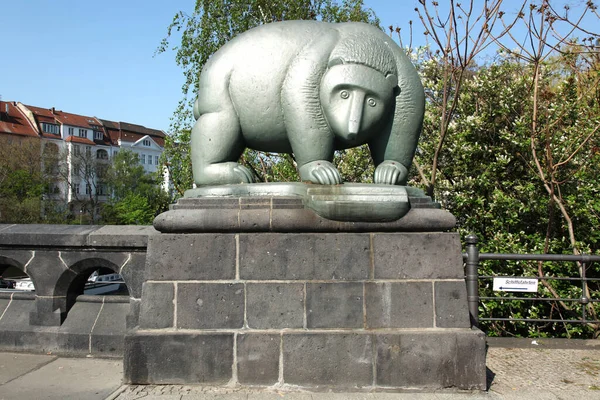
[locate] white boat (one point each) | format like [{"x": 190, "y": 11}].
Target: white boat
[
  {"x": 96, "y": 284},
  {"x": 103, "y": 284}
]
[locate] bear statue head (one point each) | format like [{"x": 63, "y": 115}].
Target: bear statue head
[{"x": 355, "y": 100}]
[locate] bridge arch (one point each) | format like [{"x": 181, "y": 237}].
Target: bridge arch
[{"x": 71, "y": 283}]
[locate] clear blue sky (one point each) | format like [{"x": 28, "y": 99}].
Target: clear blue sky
[{"x": 97, "y": 58}]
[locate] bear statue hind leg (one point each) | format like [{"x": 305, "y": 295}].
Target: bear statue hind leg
[
  {"x": 224, "y": 173},
  {"x": 216, "y": 146}
]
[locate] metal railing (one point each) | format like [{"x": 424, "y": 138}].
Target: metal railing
[{"x": 472, "y": 257}]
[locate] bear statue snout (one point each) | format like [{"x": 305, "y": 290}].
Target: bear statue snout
[{"x": 356, "y": 113}]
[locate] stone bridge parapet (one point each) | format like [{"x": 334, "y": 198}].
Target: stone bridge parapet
[{"x": 57, "y": 317}]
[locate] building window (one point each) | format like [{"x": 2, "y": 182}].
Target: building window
[
  {"x": 88, "y": 150},
  {"x": 146, "y": 142},
  {"x": 101, "y": 190},
  {"x": 98, "y": 135},
  {"x": 88, "y": 189},
  {"x": 50, "y": 128},
  {"x": 155, "y": 160},
  {"x": 143, "y": 159},
  {"x": 71, "y": 131},
  {"x": 102, "y": 154},
  {"x": 82, "y": 133},
  {"x": 76, "y": 188},
  {"x": 76, "y": 150}
]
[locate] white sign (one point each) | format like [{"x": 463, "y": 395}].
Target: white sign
[{"x": 515, "y": 285}]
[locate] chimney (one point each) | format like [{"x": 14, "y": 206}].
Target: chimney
[{"x": 53, "y": 110}]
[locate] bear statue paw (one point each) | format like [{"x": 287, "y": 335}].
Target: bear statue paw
[
  {"x": 390, "y": 173},
  {"x": 224, "y": 173},
  {"x": 320, "y": 171}
]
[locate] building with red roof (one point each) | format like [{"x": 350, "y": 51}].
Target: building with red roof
[
  {"x": 84, "y": 146},
  {"x": 147, "y": 143},
  {"x": 13, "y": 121}
]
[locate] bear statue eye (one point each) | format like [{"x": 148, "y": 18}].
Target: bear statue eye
[
  {"x": 344, "y": 94},
  {"x": 372, "y": 102}
]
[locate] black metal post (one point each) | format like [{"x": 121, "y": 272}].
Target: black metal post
[
  {"x": 472, "y": 266},
  {"x": 584, "y": 300}
]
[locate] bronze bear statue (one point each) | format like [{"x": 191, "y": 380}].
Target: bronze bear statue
[{"x": 307, "y": 88}]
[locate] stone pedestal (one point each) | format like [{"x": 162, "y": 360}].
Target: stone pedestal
[{"x": 313, "y": 310}]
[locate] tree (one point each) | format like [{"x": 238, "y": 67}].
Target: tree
[
  {"x": 136, "y": 195},
  {"x": 518, "y": 163},
  {"x": 22, "y": 182},
  {"x": 211, "y": 25},
  {"x": 84, "y": 173}
]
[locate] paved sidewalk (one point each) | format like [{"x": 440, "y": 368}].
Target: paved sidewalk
[
  {"x": 37, "y": 376},
  {"x": 519, "y": 370}
]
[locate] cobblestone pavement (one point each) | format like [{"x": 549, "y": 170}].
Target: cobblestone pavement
[{"x": 513, "y": 373}]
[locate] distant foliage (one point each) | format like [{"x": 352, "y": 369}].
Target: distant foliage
[
  {"x": 136, "y": 196},
  {"x": 511, "y": 147},
  {"x": 22, "y": 182}
]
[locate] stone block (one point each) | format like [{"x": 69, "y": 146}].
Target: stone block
[
  {"x": 171, "y": 358},
  {"x": 45, "y": 270},
  {"x": 334, "y": 305},
  {"x": 328, "y": 360},
  {"x": 39, "y": 235},
  {"x": 88, "y": 261},
  {"x": 191, "y": 257},
  {"x": 109, "y": 329},
  {"x": 292, "y": 256},
  {"x": 121, "y": 236},
  {"x": 157, "y": 307},
  {"x": 81, "y": 318},
  {"x": 72, "y": 343},
  {"x": 210, "y": 305},
  {"x": 258, "y": 359},
  {"x": 4, "y": 302},
  {"x": 432, "y": 360},
  {"x": 133, "y": 317},
  {"x": 29, "y": 341},
  {"x": 49, "y": 311},
  {"x": 275, "y": 305},
  {"x": 417, "y": 256},
  {"x": 399, "y": 304},
  {"x": 253, "y": 219},
  {"x": 133, "y": 273},
  {"x": 15, "y": 258},
  {"x": 16, "y": 316},
  {"x": 451, "y": 307},
  {"x": 107, "y": 345}
]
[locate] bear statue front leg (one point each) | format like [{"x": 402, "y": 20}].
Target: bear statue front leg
[
  {"x": 216, "y": 146},
  {"x": 320, "y": 171},
  {"x": 390, "y": 173}
]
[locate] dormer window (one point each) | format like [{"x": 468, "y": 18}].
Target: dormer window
[
  {"x": 98, "y": 135},
  {"x": 83, "y": 133},
  {"x": 146, "y": 142},
  {"x": 50, "y": 128}
]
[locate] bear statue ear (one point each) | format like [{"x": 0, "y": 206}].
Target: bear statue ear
[
  {"x": 392, "y": 79},
  {"x": 335, "y": 61}
]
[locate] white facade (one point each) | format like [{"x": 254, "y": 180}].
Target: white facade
[
  {"x": 84, "y": 145},
  {"x": 147, "y": 150}
]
